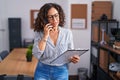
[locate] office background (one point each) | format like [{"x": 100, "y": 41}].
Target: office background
[{"x": 21, "y": 9}]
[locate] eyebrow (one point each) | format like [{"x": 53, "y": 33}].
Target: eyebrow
[{"x": 53, "y": 14}]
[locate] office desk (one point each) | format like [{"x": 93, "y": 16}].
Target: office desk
[{"x": 15, "y": 63}]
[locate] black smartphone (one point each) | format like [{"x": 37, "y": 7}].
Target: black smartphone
[{"x": 46, "y": 21}]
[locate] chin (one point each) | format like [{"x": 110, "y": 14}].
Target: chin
[{"x": 55, "y": 25}]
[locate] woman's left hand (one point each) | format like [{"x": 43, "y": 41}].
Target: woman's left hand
[{"x": 75, "y": 58}]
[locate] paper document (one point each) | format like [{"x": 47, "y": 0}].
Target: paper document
[{"x": 64, "y": 58}]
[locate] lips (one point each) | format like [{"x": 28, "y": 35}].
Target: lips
[{"x": 55, "y": 24}]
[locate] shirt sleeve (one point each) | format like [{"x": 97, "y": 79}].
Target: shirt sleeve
[
  {"x": 36, "y": 51},
  {"x": 70, "y": 43}
]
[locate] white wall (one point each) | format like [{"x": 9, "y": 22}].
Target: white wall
[
  {"x": 82, "y": 38},
  {"x": 21, "y": 8},
  {"x": 101, "y": 0},
  {"x": 116, "y": 10},
  {"x": 3, "y": 25}
]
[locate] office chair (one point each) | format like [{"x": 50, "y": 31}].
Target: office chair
[
  {"x": 28, "y": 42},
  {"x": 3, "y": 54},
  {"x": 15, "y": 77},
  {"x": 0, "y": 59}
]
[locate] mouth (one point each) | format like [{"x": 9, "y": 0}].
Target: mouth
[{"x": 55, "y": 24}]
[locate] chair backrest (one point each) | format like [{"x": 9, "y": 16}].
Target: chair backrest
[
  {"x": 15, "y": 77},
  {"x": 2, "y": 76},
  {"x": 4, "y": 54},
  {"x": 0, "y": 59},
  {"x": 28, "y": 42}
]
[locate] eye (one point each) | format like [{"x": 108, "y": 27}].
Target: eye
[
  {"x": 50, "y": 17},
  {"x": 56, "y": 15}
]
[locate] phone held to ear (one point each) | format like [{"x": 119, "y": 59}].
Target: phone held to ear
[
  {"x": 50, "y": 26},
  {"x": 46, "y": 21}
]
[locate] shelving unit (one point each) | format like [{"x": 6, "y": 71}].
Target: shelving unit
[{"x": 103, "y": 54}]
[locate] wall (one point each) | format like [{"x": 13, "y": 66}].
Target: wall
[
  {"x": 82, "y": 37},
  {"x": 101, "y": 0},
  {"x": 16, "y": 8},
  {"x": 21, "y": 8},
  {"x": 3, "y": 34},
  {"x": 116, "y": 10}
]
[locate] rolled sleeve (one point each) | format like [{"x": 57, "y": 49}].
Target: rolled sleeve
[{"x": 36, "y": 51}]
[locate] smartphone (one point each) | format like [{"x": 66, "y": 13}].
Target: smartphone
[{"x": 46, "y": 21}]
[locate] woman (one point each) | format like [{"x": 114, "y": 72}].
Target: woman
[{"x": 51, "y": 40}]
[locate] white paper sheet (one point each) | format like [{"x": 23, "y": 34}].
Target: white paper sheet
[{"x": 78, "y": 23}]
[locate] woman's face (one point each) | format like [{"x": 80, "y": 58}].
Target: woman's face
[{"x": 53, "y": 17}]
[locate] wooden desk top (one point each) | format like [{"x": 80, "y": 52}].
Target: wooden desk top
[{"x": 15, "y": 63}]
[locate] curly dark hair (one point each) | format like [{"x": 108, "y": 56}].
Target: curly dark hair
[{"x": 41, "y": 19}]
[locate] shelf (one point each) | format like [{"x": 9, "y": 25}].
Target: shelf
[
  {"x": 106, "y": 47},
  {"x": 106, "y": 21},
  {"x": 103, "y": 75},
  {"x": 109, "y": 48},
  {"x": 104, "y": 54},
  {"x": 114, "y": 75}
]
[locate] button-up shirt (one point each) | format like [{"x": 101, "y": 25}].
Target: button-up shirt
[{"x": 64, "y": 43}]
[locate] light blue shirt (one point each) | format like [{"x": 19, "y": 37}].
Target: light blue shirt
[{"x": 64, "y": 43}]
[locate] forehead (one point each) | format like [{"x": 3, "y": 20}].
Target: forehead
[{"x": 52, "y": 11}]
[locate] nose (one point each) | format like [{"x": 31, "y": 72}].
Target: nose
[{"x": 54, "y": 19}]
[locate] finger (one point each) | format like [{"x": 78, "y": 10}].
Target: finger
[
  {"x": 74, "y": 61},
  {"x": 76, "y": 57},
  {"x": 50, "y": 29},
  {"x": 48, "y": 24},
  {"x": 47, "y": 27}
]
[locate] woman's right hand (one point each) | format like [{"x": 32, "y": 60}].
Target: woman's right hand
[
  {"x": 47, "y": 29},
  {"x": 42, "y": 42}
]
